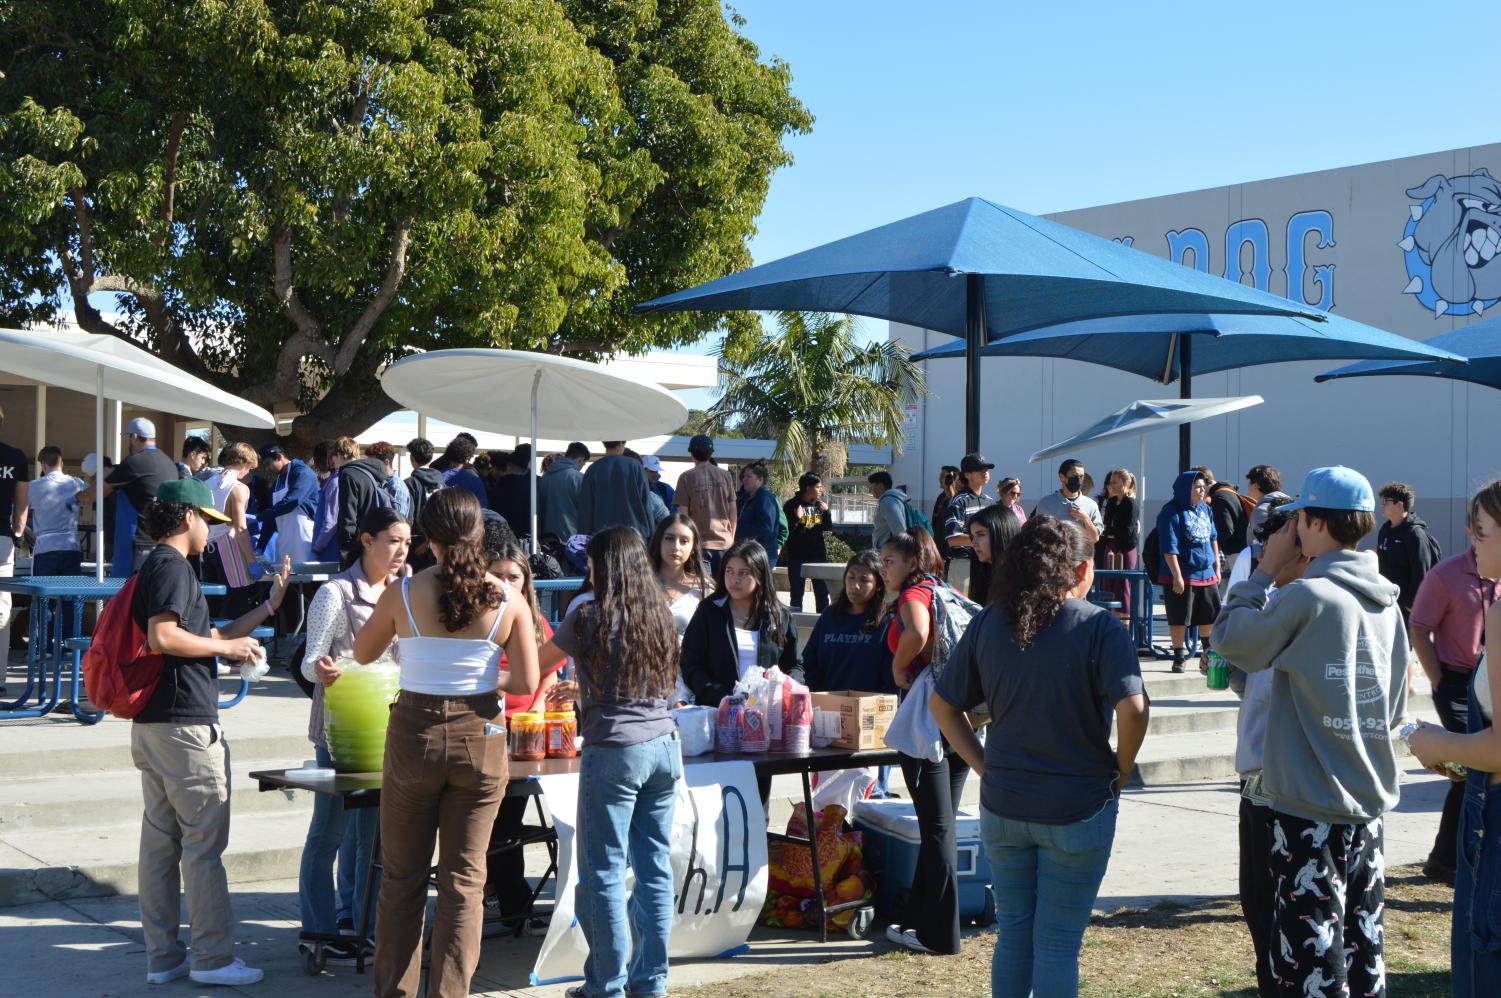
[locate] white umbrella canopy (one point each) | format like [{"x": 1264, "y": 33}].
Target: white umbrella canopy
[
  {"x": 1145, "y": 416},
  {"x": 70, "y": 359},
  {"x": 491, "y": 390},
  {"x": 108, "y": 367},
  {"x": 519, "y": 392},
  {"x": 1140, "y": 418}
]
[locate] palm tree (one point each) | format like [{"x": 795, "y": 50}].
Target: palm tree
[{"x": 813, "y": 387}]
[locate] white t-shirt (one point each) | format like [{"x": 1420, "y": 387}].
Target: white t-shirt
[
  {"x": 747, "y": 645},
  {"x": 683, "y": 607}
]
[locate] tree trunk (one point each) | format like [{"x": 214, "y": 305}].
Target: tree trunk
[{"x": 354, "y": 403}]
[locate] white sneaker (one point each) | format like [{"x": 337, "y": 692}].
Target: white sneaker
[
  {"x": 234, "y": 974},
  {"x": 168, "y": 976},
  {"x": 907, "y": 939}
]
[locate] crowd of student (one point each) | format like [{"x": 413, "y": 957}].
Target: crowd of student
[{"x": 680, "y": 602}]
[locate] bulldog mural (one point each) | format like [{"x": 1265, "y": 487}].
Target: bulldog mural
[{"x": 1451, "y": 242}]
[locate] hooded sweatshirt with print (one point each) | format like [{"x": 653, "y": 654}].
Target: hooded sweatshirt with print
[
  {"x": 1336, "y": 642},
  {"x": 1187, "y": 531}
]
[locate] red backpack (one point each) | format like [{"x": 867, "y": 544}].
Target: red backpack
[{"x": 118, "y": 671}]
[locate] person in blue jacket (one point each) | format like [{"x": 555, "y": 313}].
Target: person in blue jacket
[
  {"x": 759, "y": 517},
  {"x": 847, "y": 649},
  {"x": 294, "y": 502},
  {"x": 1189, "y": 570}
]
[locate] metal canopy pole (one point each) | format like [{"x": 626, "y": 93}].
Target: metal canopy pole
[
  {"x": 1185, "y": 391},
  {"x": 974, "y": 343},
  {"x": 99, "y": 473},
  {"x": 536, "y": 540}
]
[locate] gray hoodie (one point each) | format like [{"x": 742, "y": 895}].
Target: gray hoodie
[
  {"x": 1336, "y": 641},
  {"x": 890, "y": 519}
]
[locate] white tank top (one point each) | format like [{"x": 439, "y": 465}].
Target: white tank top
[
  {"x": 220, "y": 486},
  {"x": 450, "y": 667}
]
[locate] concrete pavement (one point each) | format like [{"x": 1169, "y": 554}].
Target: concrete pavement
[{"x": 1173, "y": 843}]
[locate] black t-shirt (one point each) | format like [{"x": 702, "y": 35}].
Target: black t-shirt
[
  {"x": 138, "y": 476},
  {"x": 1047, "y": 758},
  {"x": 13, "y": 471},
  {"x": 188, "y": 692}
]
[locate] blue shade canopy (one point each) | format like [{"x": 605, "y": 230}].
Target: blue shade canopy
[
  {"x": 1036, "y": 273},
  {"x": 1144, "y": 417},
  {"x": 1480, "y": 342},
  {"x": 1151, "y": 345}
]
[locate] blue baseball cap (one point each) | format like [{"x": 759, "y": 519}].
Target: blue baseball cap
[{"x": 1335, "y": 488}]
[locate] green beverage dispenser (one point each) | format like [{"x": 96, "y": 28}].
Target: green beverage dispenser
[{"x": 356, "y": 709}]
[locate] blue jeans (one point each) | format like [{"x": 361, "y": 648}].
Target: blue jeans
[
  {"x": 626, "y": 798},
  {"x": 58, "y": 563},
  {"x": 1475, "y": 934},
  {"x": 349, "y": 835},
  {"x": 1045, "y": 879}
]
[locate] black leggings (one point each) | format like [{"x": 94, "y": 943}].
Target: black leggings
[{"x": 933, "y": 909}]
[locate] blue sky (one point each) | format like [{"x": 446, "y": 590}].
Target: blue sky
[{"x": 1051, "y": 106}]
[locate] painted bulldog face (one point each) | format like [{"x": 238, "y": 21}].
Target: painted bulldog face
[{"x": 1459, "y": 236}]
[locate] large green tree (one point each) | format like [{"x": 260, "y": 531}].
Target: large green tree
[
  {"x": 812, "y": 386},
  {"x": 284, "y": 195}
]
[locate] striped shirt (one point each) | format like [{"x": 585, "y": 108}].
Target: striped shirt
[{"x": 964, "y": 506}]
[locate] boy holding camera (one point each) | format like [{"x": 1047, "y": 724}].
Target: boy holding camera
[{"x": 1338, "y": 650}]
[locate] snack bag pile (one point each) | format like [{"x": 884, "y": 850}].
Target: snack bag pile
[
  {"x": 772, "y": 713},
  {"x": 789, "y": 898}
]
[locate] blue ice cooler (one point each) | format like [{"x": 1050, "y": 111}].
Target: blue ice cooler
[{"x": 889, "y": 829}]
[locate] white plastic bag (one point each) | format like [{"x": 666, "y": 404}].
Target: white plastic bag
[
  {"x": 697, "y": 728},
  {"x": 914, "y": 730},
  {"x": 842, "y": 787}
]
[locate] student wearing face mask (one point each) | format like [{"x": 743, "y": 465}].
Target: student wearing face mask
[{"x": 1070, "y": 503}]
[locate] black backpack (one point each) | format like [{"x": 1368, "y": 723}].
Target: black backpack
[
  {"x": 420, "y": 491},
  {"x": 1151, "y": 557}
]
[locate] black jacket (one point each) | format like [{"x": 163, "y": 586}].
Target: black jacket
[
  {"x": 805, "y": 543},
  {"x": 1404, "y": 554},
  {"x": 1229, "y": 519},
  {"x": 711, "y": 662},
  {"x": 1120, "y": 523},
  {"x": 358, "y": 482},
  {"x": 421, "y": 484}
]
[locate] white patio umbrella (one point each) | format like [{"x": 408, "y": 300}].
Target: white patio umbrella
[
  {"x": 108, "y": 367},
  {"x": 1142, "y": 417},
  {"x": 518, "y": 392}
]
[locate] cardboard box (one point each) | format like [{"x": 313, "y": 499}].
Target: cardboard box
[{"x": 864, "y": 717}]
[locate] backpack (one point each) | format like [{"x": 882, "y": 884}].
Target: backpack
[
  {"x": 917, "y": 518},
  {"x": 1435, "y": 552},
  {"x": 118, "y": 672},
  {"x": 1151, "y": 556},
  {"x": 782, "y": 529},
  {"x": 952, "y": 614},
  {"x": 384, "y": 494},
  {"x": 420, "y": 493}
]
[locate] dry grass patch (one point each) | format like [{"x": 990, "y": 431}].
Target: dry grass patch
[{"x": 1167, "y": 952}]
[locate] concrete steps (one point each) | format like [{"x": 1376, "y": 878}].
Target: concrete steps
[{"x": 70, "y": 810}]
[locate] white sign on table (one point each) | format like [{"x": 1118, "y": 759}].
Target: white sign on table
[{"x": 718, "y": 867}]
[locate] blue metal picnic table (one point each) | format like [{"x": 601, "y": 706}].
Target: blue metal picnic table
[
  {"x": 69, "y": 593},
  {"x": 550, "y": 593},
  {"x": 1140, "y": 610}
]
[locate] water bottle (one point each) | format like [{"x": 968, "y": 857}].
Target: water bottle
[{"x": 1219, "y": 672}]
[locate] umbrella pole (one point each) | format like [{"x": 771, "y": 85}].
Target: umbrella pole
[
  {"x": 974, "y": 343},
  {"x": 1185, "y": 391},
  {"x": 1141, "y": 480},
  {"x": 536, "y": 386},
  {"x": 99, "y": 473}
]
